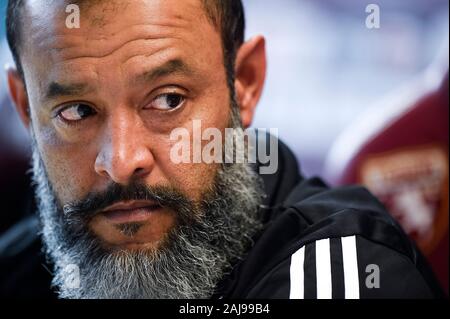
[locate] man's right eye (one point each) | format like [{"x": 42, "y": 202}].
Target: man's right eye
[{"x": 76, "y": 112}]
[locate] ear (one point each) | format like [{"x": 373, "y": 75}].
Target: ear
[
  {"x": 250, "y": 73},
  {"x": 18, "y": 94}
]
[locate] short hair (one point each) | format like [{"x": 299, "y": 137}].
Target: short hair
[{"x": 226, "y": 15}]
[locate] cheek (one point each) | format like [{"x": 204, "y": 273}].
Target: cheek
[
  {"x": 195, "y": 179},
  {"x": 67, "y": 168},
  {"x": 192, "y": 178}
]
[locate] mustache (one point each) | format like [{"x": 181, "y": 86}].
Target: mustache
[{"x": 95, "y": 202}]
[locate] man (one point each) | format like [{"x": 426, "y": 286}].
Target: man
[{"x": 120, "y": 218}]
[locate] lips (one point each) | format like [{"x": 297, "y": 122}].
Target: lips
[{"x": 131, "y": 211}]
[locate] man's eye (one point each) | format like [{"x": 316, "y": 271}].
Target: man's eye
[
  {"x": 168, "y": 101},
  {"x": 76, "y": 112}
]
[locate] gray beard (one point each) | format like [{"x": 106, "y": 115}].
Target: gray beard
[{"x": 191, "y": 263}]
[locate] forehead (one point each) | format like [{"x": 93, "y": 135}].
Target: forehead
[
  {"x": 109, "y": 14},
  {"x": 115, "y": 28}
]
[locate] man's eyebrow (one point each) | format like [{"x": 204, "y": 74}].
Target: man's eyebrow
[
  {"x": 56, "y": 90},
  {"x": 175, "y": 66}
]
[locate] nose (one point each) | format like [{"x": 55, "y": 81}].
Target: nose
[{"x": 123, "y": 154}]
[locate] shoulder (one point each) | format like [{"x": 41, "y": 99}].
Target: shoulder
[
  {"x": 350, "y": 267},
  {"x": 333, "y": 243},
  {"x": 22, "y": 262}
]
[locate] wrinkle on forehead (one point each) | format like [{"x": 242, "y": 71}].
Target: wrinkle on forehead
[
  {"x": 157, "y": 20},
  {"x": 70, "y": 47},
  {"x": 150, "y": 33}
]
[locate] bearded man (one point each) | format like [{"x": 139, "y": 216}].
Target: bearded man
[{"x": 119, "y": 218}]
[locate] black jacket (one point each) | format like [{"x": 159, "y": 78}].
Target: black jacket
[{"x": 317, "y": 243}]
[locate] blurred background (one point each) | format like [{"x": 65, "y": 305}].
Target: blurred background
[
  {"x": 355, "y": 104},
  {"x": 326, "y": 68}
]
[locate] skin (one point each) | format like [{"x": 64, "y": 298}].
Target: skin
[{"x": 119, "y": 63}]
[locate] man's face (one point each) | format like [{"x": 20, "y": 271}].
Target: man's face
[
  {"x": 101, "y": 102},
  {"x": 104, "y": 99}
]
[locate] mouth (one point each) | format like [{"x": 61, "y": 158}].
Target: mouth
[{"x": 130, "y": 211}]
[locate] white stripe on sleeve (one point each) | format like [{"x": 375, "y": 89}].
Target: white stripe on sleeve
[
  {"x": 323, "y": 268},
  {"x": 350, "y": 263},
  {"x": 297, "y": 274}
]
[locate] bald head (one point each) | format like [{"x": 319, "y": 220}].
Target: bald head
[{"x": 226, "y": 16}]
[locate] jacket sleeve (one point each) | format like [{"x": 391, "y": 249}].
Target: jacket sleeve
[{"x": 351, "y": 267}]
